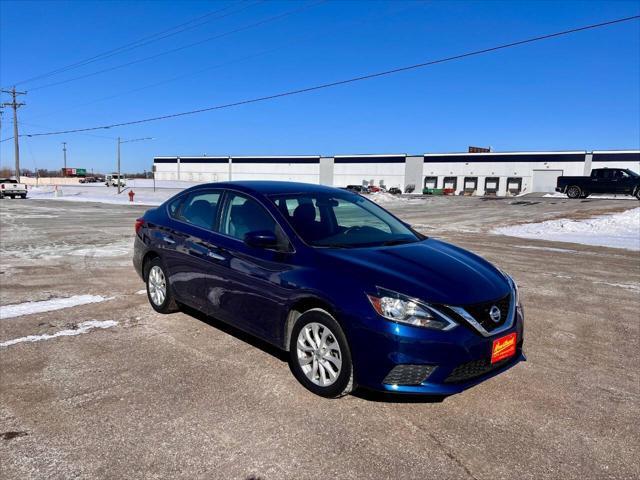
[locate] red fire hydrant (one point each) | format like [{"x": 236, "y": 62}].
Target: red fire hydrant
[{"x": 131, "y": 195}]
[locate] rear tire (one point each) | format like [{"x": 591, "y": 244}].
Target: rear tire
[
  {"x": 158, "y": 287},
  {"x": 637, "y": 194},
  {"x": 574, "y": 191},
  {"x": 319, "y": 355}
]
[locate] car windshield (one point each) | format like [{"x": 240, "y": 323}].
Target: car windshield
[
  {"x": 342, "y": 220},
  {"x": 632, "y": 173}
]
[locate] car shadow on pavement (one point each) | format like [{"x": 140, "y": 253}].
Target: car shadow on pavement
[
  {"x": 384, "y": 397},
  {"x": 364, "y": 394},
  {"x": 237, "y": 333}
]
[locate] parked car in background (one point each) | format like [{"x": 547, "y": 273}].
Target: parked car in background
[
  {"x": 395, "y": 191},
  {"x": 601, "y": 180},
  {"x": 88, "y": 180},
  {"x": 356, "y": 188},
  {"x": 352, "y": 293},
  {"x": 9, "y": 187},
  {"x": 373, "y": 189}
]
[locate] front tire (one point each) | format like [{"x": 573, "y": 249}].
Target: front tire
[
  {"x": 574, "y": 192},
  {"x": 158, "y": 288},
  {"x": 637, "y": 194},
  {"x": 319, "y": 355}
]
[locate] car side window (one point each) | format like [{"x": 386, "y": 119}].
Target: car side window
[
  {"x": 243, "y": 215},
  {"x": 174, "y": 206},
  {"x": 200, "y": 209}
]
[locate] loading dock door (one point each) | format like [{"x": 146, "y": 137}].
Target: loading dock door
[{"x": 545, "y": 180}]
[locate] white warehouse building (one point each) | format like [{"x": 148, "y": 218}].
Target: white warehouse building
[{"x": 499, "y": 173}]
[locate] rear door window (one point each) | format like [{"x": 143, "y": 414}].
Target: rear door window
[{"x": 200, "y": 209}]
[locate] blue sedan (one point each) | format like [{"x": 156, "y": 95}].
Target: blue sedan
[{"x": 353, "y": 294}]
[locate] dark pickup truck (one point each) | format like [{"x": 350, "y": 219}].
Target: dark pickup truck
[{"x": 601, "y": 180}]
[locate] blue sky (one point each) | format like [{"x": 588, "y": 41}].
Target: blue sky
[{"x": 576, "y": 92}]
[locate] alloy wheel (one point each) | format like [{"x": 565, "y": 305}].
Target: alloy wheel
[
  {"x": 319, "y": 354},
  {"x": 157, "y": 285},
  {"x": 573, "y": 192}
]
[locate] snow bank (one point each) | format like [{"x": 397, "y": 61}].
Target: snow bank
[
  {"x": 79, "y": 329},
  {"x": 593, "y": 195},
  {"x": 102, "y": 194},
  {"x": 619, "y": 230},
  {"x": 29, "y": 308},
  {"x": 384, "y": 198}
]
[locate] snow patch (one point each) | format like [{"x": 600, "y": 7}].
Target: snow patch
[
  {"x": 593, "y": 196},
  {"x": 618, "y": 230},
  {"x": 59, "y": 250},
  {"x": 103, "y": 194},
  {"x": 634, "y": 287},
  {"x": 548, "y": 249},
  {"x": 141, "y": 292},
  {"x": 79, "y": 329},
  {"x": 384, "y": 198},
  {"x": 29, "y": 308}
]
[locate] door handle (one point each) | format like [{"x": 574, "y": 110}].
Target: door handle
[
  {"x": 169, "y": 240},
  {"x": 215, "y": 256}
]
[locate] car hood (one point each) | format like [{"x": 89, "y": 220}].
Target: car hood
[{"x": 431, "y": 270}]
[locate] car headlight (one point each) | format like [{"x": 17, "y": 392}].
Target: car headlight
[{"x": 403, "y": 309}]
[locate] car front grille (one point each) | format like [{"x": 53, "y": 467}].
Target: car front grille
[
  {"x": 408, "y": 374},
  {"x": 481, "y": 313}
]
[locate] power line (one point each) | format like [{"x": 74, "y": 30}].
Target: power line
[
  {"x": 346, "y": 81},
  {"x": 290, "y": 43},
  {"x": 139, "y": 43},
  {"x": 194, "y": 44}
]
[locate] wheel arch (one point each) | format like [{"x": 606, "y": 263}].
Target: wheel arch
[
  {"x": 301, "y": 306},
  {"x": 150, "y": 255}
]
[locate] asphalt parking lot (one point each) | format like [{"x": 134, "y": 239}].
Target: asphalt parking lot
[{"x": 182, "y": 396}]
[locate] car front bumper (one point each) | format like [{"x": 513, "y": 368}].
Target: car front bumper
[{"x": 458, "y": 359}]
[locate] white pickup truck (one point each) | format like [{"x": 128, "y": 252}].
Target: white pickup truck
[{"x": 9, "y": 187}]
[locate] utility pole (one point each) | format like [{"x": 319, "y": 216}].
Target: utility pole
[
  {"x": 118, "y": 154},
  {"x": 1, "y": 113},
  {"x": 119, "y": 142},
  {"x": 15, "y": 105},
  {"x": 64, "y": 152}
]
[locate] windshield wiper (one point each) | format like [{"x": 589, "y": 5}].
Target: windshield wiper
[
  {"x": 398, "y": 241},
  {"x": 336, "y": 245}
]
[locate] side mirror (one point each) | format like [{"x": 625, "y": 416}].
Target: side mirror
[{"x": 261, "y": 239}]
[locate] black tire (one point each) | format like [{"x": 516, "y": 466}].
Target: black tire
[
  {"x": 585, "y": 195},
  {"x": 168, "y": 304},
  {"x": 343, "y": 383},
  {"x": 637, "y": 194},
  {"x": 574, "y": 191},
  {"x": 23, "y": 196}
]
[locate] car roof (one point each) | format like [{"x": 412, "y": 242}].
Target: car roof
[{"x": 268, "y": 187}]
